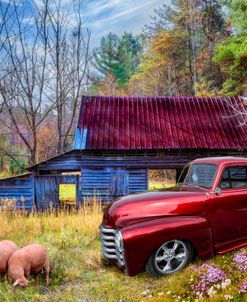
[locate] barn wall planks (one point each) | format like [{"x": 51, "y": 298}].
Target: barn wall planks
[
  {"x": 110, "y": 183},
  {"x": 76, "y": 160},
  {"x": 138, "y": 181},
  {"x": 46, "y": 192},
  {"x": 95, "y": 182},
  {"x": 19, "y": 188},
  {"x": 47, "y": 189},
  {"x": 105, "y": 184},
  {"x": 107, "y": 175}
]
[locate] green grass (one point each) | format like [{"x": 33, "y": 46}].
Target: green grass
[
  {"x": 158, "y": 185},
  {"x": 78, "y": 272},
  {"x": 67, "y": 193}
]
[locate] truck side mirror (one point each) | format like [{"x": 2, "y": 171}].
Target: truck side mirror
[{"x": 217, "y": 191}]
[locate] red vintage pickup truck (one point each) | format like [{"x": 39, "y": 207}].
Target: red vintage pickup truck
[{"x": 163, "y": 231}]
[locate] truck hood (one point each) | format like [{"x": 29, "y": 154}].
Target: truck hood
[{"x": 130, "y": 209}]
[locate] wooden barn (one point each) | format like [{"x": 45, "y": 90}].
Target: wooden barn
[{"x": 119, "y": 140}]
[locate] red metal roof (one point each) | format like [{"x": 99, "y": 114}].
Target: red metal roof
[{"x": 130, "y": 123}]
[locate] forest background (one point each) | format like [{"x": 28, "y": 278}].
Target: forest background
[{"x": 190, "y": 48}]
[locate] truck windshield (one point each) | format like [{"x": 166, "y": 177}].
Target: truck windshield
[{"x": 201, "y": 175}]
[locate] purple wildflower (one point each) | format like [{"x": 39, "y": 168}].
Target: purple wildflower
[
  {"x": 208, "y": 275},
  {"x": 240, "y": 260},
  {"x": 243, "y": 287}
]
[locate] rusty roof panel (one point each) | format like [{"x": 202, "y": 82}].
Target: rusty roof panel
[{"x": 144, "y": 123}]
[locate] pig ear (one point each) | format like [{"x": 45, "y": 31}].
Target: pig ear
[{"x": 16, "y": 282}]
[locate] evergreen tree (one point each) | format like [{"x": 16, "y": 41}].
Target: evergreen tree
[
  {"x": 118, "y": 57},
  {"x": 106, "y": 58},
  {"x": 231, "y": 55}
]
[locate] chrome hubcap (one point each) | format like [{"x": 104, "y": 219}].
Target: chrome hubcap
[{"x": 171, "y": 256}]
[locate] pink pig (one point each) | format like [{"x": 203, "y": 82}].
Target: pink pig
[
  {"x": 28, "y": 260},
  {"x": 7, "y": 248}
]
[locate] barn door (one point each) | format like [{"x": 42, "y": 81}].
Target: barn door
[
  {"x": 47, "y": 189},
  {"x": 69, "y": 190},
  {"x": 46, "y": 192},
  {"x": 119, "y": 182}
]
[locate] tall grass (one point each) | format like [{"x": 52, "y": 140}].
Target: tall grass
[
  {"x": 77, "y": 270},
  {"x": 18, "y": 222}
]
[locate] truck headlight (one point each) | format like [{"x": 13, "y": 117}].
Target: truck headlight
[{"x": 119, "y": 241}]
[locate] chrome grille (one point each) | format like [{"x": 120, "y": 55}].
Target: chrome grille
[{"x": 109, "y": 248}]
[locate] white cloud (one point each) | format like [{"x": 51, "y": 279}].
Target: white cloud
[
  {"x": 7, "y": 1},
  {"x": 103, "y": 16},
  {"x": 119, "y": 16},
  {"x": 127, "y": 13},
  {"x": 95, "y": 8}
]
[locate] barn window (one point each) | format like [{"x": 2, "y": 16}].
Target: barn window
[
  {"x": 161, "y": 179},
  {"x": 67, "y": 194}
]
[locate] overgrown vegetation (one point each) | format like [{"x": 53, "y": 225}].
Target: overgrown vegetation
[
  {"x": 161, "y": 179},
  {"x": 191, "y": 47},
  {"x": 78, "y": 272}
]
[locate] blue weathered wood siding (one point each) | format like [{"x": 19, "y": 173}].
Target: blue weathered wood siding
[
  {"x": 113, "y": 174},
  {"x": 76, "y": 160},
  {"x": 119, "y": 185},
  {"x": 19, "y": 188},
  {"x": 80, "y": 139},
  {"x": 107, "y": 183},
  {"x": 47, "y": 189},
  {"x": 95, "y": 182},
  {"x": 138, "y": 181}
]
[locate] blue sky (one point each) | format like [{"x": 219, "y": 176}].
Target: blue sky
[
  {"x": 118, "y": 16},
  {"x": 104, "y": 16}
]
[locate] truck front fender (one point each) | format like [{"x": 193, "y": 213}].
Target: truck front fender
[{"x": 143, "y": 238}]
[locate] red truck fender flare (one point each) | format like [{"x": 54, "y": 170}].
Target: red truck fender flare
[{"x": 143, "y": 238}]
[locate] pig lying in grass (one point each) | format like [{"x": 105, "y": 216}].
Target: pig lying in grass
[
  {"x": 7, "y": 248},
  {"x": 28, "y": 260}
]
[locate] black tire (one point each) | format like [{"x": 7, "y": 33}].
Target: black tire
[{"x": 153, "y": 266}]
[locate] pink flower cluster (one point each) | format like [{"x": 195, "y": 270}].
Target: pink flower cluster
[
  {"x": 208, "y": 276},
  {"x": 240, "y": 260}
]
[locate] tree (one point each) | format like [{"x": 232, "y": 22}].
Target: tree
[
  {"x": 7, "y": 10},
  {"x": 129, "y": 51},
  {"x": 213, "y": 31},
  {"x": 106, "y": 86},
  {"x": 22, "y": 87},
  {"x": 69, "y": 64},
  {"x": 118, "y": 57},
  {"x": 231, "y": 55},
  {"x": 47, "y": 138},
  {"x": 106, "y": 57},
  {"x": 183, "y": 37},
  {"x": 149, "y": 80},
  {"x": 45, "y": 71},
  {"x": 163, "y": 69}
]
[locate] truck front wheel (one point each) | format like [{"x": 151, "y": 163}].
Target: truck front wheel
[{"x": 170, "y": 257}]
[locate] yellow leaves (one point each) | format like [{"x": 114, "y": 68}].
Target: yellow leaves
[
  {"x": 166, "y": 41},
  {"x": 161, "y": 41},
  {"x": 109, "y": 87}
]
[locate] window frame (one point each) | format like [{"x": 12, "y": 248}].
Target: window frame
[
  {"x": 203, "y": 164},
  {"x": 229, "y": 176}
]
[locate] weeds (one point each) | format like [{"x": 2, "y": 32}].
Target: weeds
[{"x": 79, "y": 274}]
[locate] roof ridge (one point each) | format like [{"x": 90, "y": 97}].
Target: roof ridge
[{"x": 155, "y": 98}]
